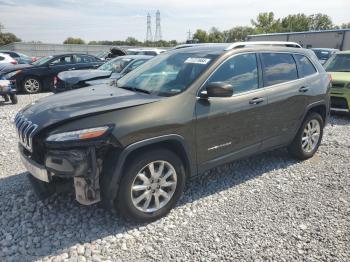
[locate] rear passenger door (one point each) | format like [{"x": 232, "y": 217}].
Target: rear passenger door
[
  {"x": 287, "y": 99},
  {"x": 86, "y": 62}
]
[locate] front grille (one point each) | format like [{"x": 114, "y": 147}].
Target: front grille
[
  {"x": 25, "y": 130},
  {"x": 338, "y": 85},
  {"x": 339, "y": 102}
]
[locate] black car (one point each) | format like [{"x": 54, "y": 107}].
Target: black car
[
  {"x": 111, "y": 70},
  {"x": 39, "y": 75},
  {"x": 133, "y": 146},
  {"x": 19, "y": 57}
]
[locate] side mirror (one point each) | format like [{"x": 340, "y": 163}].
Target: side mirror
[{"x": 217, "y": 89}]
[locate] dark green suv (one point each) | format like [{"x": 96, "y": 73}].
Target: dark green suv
[{"x": 133, "y": 144}]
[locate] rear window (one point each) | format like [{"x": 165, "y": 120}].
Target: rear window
[
  {"x": 306, "y": 68},
  {"x": 278, "y": 68}
]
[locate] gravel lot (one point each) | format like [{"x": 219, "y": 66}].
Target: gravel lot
[{"x": 267, "y": 207}]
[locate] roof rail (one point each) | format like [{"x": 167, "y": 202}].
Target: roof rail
[{"x": 257, "y": 43}]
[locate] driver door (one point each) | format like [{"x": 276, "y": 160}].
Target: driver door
[{"x": 231, "y": 127}]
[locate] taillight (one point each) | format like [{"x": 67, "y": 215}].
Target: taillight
[
  {"x": 330, "y": 77},
  {"x": 14, "y": 62},
  {"x": 34, "y": 59}
]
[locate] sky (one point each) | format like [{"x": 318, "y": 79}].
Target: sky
[{"x": 53, "y": 21}]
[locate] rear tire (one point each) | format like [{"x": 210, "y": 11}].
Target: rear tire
[
  {"x": 144, "y": 197},
  {"x": 308, "y": 138}
]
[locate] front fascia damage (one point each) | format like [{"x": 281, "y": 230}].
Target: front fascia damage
[{"x": 82, "y": 161}]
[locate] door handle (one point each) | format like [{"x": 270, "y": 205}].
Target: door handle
[
  {"x": 303, "y": 89},
  {"x": 256, "y": 101},
  {"x": 71, "y": 69}
]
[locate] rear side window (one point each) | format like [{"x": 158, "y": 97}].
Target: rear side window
[
  {"x": 278, "y": 68},
  {"x": 306, "y": 68}
]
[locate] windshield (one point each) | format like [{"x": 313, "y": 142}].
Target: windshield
[
  {"x": 42, "y": 60},
  {"x": 167, "y": 74},
  {"x": 339, "y": 63},
  {"x": 322, "y": 54},
  {"x": 115, "y": 65}
]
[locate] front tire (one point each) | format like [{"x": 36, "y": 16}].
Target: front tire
[
  {"x": 31, "y": 85},
  {"x": 152, "y": 185},
  {"x": 308, "y": 138}
]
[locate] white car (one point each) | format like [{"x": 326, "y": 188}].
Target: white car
[
  {"x": 6, "y": 59},
  {"x": 145, "y": 51}
]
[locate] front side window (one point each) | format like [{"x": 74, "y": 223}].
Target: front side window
[
  {"x": 278, "y": 68},
  {"x": 115, "y": 65},
  {"x": 62, "y": 60},
  {"x": 168, "y": 74},
  {"x": 240, "y": 71},
  {"x": 338, "y": 63},
  {"x": 306, "y": 68}
]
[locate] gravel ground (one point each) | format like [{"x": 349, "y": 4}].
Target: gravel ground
[{"x": 267, "y": 207}]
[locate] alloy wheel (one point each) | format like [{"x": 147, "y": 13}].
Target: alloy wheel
[
  {"x": 31, "y": 85},
  {"x": 311, "y": 136},
  {"x": 153, "y": 186}
]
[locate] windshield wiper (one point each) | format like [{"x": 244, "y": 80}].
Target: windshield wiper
[{"x": 135, "y": 89}]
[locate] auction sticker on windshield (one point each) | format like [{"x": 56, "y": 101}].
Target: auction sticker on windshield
[{"x": 197, "y": 60}]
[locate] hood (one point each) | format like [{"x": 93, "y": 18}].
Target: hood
[
  {"x": 340, "y": 76},
  {"x": 113, "y": 77},
  {"x": 75, "y": 76},
  {"x": 9, "y": 68},
  {"x": 81, "y": 102}
]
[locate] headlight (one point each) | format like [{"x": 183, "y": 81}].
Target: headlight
[
  {"x": 11, "y": 74},
  {"x": 79, "y": 134}
]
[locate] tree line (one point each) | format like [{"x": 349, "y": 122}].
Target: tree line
[
  {"x": 267, "y": 23},
  {"x": 264, "y": 23}
]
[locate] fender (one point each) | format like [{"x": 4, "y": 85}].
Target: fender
[
  {"x": 111, "y": 183},
  {"x": 307, "y": 110}
]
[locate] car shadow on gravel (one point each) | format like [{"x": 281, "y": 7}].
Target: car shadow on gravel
[{"x": 31, "y": 228}]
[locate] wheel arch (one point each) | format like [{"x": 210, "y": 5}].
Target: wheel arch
[
  {"x": 172, "y": 142},
  {"x": 320, "y": 108}
]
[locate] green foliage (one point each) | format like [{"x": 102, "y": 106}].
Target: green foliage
[
  {"x": 320, "y": 22},
  {"x": 238, "y": 33},
  {"x": 7, "y": 38},
  {"x": 266, "y": 23},
  {"x": 201, "y": 36},
  {"x": 295, "y": 23},
  {"x": 74, "y": 41}
]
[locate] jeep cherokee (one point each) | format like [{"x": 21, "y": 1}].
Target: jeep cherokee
[{"x": 132, "y": 145}]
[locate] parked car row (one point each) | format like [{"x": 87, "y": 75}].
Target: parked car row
[
  {"x": 109, "y": 71},
  {"x": 133, "y": 145},
  {"x": 43, "y": 74}
]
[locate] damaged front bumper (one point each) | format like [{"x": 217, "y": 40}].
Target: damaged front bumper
[{"x": 80, "y": 164}]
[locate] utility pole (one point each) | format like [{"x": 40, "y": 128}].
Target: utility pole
[
  {"x": 158, "y": 34},
  {"x": 189, "y": 35},
  {"x": 149, "y": 37}
]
